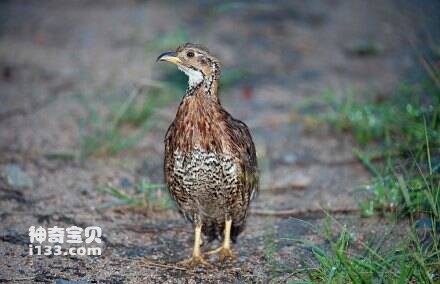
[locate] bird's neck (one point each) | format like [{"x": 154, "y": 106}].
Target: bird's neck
[
  {"x": 205, "y": 88},
  {"x": 200, "y": 119},
  {"x": 207, "y": 85}
]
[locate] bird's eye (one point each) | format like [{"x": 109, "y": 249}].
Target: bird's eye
[{"x": 190, "y": 54}]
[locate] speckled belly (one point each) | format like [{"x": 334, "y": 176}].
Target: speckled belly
[{"x": 209, "y": 181}]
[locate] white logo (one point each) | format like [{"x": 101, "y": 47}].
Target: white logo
[{"x": 70, "y": 235}]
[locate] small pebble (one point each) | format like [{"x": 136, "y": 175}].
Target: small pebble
[{"x": 16, "y": 178}]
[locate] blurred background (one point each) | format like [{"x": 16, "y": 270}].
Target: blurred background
[{"x": 341, "y": 98}]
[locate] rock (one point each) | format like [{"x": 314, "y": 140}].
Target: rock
[
  {"x": 126, "y": 183},
  {"x": 16, "y": 178},
  {"x": 427, "y": 224},
  {"x": 363, "y": 48},
  {"x": 289, "y": 159}
]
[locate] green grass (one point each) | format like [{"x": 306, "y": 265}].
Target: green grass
[
  {"x": 122, "y": 124},
  {"x": 152, "y": 197},
  {"x": 397, "y": 119},
  {"x": 398, "y": 141},
  {"x": 344, "y": 259}
]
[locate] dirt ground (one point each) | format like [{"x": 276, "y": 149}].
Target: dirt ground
[{"x": 51, "y": 51}]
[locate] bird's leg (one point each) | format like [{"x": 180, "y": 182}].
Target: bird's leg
[
  {"x": 196, "y": 258},
  {"x": 225, "y": 250}
]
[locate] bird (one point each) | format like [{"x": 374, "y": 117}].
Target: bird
[{"x": 210, "y": 161}]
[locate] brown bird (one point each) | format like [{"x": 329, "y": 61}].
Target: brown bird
[{"x": 210, "y": 162}]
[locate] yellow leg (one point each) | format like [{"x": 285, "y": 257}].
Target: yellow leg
[
  {"x": 196, "y": 258},
  {"x": 225, "y": 250}
]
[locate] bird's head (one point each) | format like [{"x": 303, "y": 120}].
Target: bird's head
[{"x": 196, "y": 62}]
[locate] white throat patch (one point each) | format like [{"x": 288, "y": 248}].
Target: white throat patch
[{"x": 194, "y": 77}]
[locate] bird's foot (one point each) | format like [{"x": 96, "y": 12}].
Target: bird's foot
[
  {"x": 223, "y": 252},
  {"x": 195, "y": 261}
]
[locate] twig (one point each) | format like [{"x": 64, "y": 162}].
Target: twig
[
  {"x": 372, "y": 158},
  {"x": 17, "y": 279},
  {"x": 169, "y": 266},
  {"x": 124, "y": 108},
  {"x": 302, "y": 212},
  {"x": 288, "y": 187},
  {"x": 324, "y": 211}
]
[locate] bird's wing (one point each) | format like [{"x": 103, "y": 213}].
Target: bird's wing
[
  {"x": 169, "y": 152},
  {"x": 248, "y": 157}
]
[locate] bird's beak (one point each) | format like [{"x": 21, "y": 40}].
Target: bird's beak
[{"x": 169, "y": 56}]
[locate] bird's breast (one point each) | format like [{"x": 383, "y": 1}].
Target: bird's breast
[
  {"x": 199, "y": 170},
  {"x": 201, "y": 123}
]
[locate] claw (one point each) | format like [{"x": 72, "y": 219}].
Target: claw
[
  {"x": 195, "y": 261},
  {"x": 223, "y": 252},
  {"x": 197, "y": 258}
]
